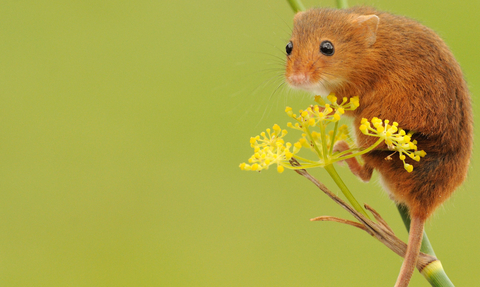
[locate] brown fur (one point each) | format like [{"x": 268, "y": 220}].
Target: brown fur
[{"x": 407, "y": 75}]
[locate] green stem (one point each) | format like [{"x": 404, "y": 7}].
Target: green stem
[
  {"x": 324, "y": 142},
  {"x": 426, "y": 246},
  {"x": 312, "y": 162},
  {"x": 340, "y": 156},
  {"x": 303, "y": 166},
  {"x": 437, "y": 277},
  {"x": 342, "y": 4},
  {"x": 315, "y": 147},
  {"x": 296, "y": 5},
  {"x": 332, "y": 140},
  {"x": 338, "y": 180}
]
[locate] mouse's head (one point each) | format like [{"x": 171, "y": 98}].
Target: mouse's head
[{"x": 326, "y": 49}]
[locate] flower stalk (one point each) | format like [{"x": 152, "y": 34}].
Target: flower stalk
[
  {"x": 296, "y": 5},
  {"x": 346, "y": 192},
  {"x": 342, "y": 4}
]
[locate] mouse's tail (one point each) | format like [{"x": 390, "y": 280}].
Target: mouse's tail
[{"x": 413, "y": 249}]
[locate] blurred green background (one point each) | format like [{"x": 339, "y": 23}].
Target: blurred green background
[{"x": 122, "y": 127}]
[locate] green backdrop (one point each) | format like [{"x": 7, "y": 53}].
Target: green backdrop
[{"x": 122, "y": 124}]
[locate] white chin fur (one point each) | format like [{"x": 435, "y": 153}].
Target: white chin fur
[
  {"x": 320, "y": 90},
  {"x": 324, "y": 87}
]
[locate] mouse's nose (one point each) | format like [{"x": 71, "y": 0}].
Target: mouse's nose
[{"x": 298, "y": 79}]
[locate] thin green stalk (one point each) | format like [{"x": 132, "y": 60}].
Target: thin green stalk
[
  {"x": 319, "y": 153},
  {"x": 338, "y": 180},
  {"x": 436, "y": 275},
  {"x": 342, "y": 4},
  {"x": 312, "y": 162},
  {"x": 341, "y": 157},
  {"x": 324, "y": 142},
  {"x": 332, "y": 140},
  {"x": 296, "y": 5},
  {"x": 331, "y": 170}
]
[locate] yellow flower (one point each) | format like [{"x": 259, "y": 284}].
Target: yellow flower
[
  {"x": 323, "y": 112},
  {"x": 395, "y": 138},
  {"x": 270, "y": 148}
]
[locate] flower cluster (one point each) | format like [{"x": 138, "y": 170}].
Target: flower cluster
[
  {"x": 396, "y": 139},
  {"x": 347, "y": 105},
  {"x": 342, "y": 134},
  {"x": 323, "y": 112},
  {"x": 270, "y": 148},
  {"x": 320, "y": 116}
]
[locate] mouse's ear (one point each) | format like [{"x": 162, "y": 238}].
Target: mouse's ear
[{"x": 368, "y": 25}]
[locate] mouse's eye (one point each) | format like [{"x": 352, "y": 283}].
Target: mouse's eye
[
  {"x": 289, "y": 48},
  {"x": 326, "y": 47}
]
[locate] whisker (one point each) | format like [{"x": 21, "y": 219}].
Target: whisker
[
  {"x": 269, "y": 98},
  {"x": 271, "y": 55}
]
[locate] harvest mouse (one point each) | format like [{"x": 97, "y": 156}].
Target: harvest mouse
[{"x": 401, "y": 71}]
